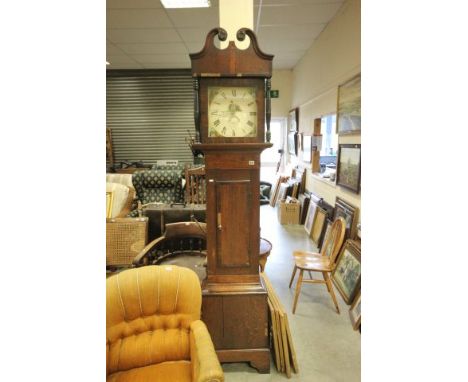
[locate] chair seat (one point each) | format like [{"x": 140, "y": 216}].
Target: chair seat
[
  {"x": 315, "y": 265},
  {"x": 179, "y": 371},
  {"x": 299, "y": 255}
]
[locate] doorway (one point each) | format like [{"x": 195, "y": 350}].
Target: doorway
[{"x": 271, "y": 157}]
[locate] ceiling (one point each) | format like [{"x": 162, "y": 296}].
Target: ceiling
[{"x": 142, "y": 34}]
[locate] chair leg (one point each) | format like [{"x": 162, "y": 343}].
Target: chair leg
[
  {"x": 325, "y": 278},
  {"x": 292, "y": 276},
  {"x": 298, "y": 290},
  {"x": 330, "y": 289},
  {"x": 310, "y": 275}
]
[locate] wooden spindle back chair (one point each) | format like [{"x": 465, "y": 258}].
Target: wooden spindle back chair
[{"x": 195, "y": 187}]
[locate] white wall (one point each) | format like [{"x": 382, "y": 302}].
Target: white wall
[
  {"x": 333, "y": 58},
  {"x": 281, "y": 80}
]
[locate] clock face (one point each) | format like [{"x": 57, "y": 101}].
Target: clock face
[{"x": 232, "y": 111}]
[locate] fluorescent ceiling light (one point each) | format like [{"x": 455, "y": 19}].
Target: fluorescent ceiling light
[{"x": 185, "y": 3}]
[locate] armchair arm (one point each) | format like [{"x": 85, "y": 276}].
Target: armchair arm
[
  {"x": 128, "y": 204},
  {"x": 141, "y": 259},
  {"x": 205, "y": 363}
]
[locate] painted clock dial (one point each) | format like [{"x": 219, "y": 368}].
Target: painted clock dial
[{"x": 232, "y": 111}]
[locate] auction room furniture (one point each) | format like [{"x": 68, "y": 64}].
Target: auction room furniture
[
  {"x": 122, "y": 198},
  {"x": 162, "y": 185},
  {"x": 125, "y": 179},
  {"x": 265, "y": 249},
  {"x": 323, "y": 262},
  {"x": 125, "y": 238},
  {"x": 153, "y": 327},
  {"x": 161, "y": 214},
  {"x": 183, "y": 244},
  {"x": 232, "y": 107},
  {"x": 195, "y": 186}
]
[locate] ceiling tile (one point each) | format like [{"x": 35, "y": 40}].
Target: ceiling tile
[
  {"x": 137, "y": 18},
  {"x": 193, "y": 34},
  {"x": 203, "y": 17},
  {"x": 120, "y": 59},
  {"x": 272, "y": 46},
  {"x": 298, "y": 14},
  {"x": 290, "y": 32},
  {"x": 195, "y": 47},
  {"x": 133, "y": 4},
  {"x": 153, "y": 48},
  {"x": 127, "y": 36},
  {"x": 266, "y": 3},
  {"x": 161, "y": 58},
  {"x": 112, "y": 50},
  {"x": 168, "y": 65}
]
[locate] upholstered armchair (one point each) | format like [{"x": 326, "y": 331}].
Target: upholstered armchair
[
  {"x": 122, "y": 198},
  {"x": 154, "y": 332},
  {"x": 163, "y": 185}
]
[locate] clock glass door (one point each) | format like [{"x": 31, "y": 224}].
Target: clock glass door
[{"x": 232, "y": 111}]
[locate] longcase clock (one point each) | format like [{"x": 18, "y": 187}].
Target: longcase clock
[{"x": 232, "y": 107}]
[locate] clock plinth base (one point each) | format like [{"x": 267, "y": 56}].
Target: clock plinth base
[
  {"x": 257, "y": 358},
  {"x": 236, "y": 315}
]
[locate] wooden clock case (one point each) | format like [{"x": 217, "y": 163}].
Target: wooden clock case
[{"x": 234, "y": 304}]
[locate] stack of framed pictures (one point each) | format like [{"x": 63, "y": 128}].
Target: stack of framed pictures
[
  {"x": 318, "y": 225},
  {"x": 312, "y": 210},
  {"x": 349, "y": 213},
  {"x": 355, "y": 312},
  {"x": 304, "y": 200},
  {"x": 347, "y": 273}
]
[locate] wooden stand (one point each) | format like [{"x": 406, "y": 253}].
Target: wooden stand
[{"x": 234, "y": 303}]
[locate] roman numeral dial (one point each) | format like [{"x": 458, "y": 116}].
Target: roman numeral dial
[{"x": 232, "y": 111}]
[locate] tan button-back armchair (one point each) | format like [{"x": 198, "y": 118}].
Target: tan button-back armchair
[{"x": 154, "y": 332}]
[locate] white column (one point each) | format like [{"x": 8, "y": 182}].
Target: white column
[{"x": 233, "y": 15}]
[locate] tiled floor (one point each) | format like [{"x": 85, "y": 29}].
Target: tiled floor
[{"x": 327, "y": 348}]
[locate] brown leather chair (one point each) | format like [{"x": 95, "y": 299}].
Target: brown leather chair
[{"x": 154, "y": 332}]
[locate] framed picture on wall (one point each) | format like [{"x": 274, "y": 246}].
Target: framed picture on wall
[
  {"x": 348, "y": 119},
  {"x": 348, "y": 172},
  {"x": 293, "y": 120},
  {"x": 292, "y": 143}
]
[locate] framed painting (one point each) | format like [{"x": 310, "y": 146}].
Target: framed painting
[
  {"x": 349, "y": 213},
  {"x": 326, "y": 234},
  {"x": 348, "y": 172},
  {"x": 348, "y": 119},
  {"x": 355, "y": 312},
  {"x": 109, "y": 203},
  {"x": 347, "y": 273},
  {"x": 282, "y": 193},
  {"x": 304, "y": 200},
  {"x": 319, "y": 225},
  {"x": 293, "y": 120},
  {"x": 310, "y": 216},
  {"x": 293, "y": 143}
]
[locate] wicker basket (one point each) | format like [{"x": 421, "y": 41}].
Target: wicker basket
[{"x": 125, "y": 238}]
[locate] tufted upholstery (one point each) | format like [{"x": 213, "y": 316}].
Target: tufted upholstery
[
  {"x": 162, "y": 185},
  {"x": 154, "y": 332}
]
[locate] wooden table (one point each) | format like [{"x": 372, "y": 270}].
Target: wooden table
[{"x": 265, "y": 248}]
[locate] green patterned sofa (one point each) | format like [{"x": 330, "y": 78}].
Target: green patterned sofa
[{"x": 161, "y": 184}]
